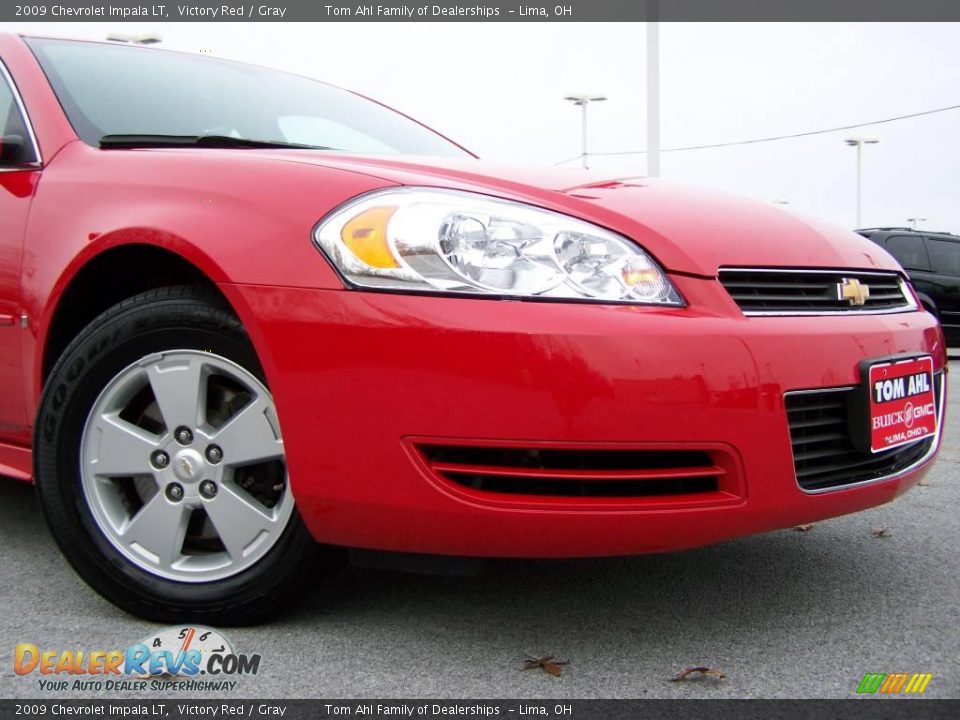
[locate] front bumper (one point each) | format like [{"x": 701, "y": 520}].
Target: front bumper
[{"x": 360, "y": 378}]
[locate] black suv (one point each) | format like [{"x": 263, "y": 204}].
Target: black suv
[{"x": 932, "y": 260}]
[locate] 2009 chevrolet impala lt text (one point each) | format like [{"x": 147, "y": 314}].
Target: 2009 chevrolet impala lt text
[{"x": 245, "y": 315}]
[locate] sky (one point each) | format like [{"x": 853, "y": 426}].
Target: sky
[{"x": 498, "y": 89}]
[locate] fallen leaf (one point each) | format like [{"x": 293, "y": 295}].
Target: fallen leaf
[
  {"x": 924, "y": 482},
  {"x": 547, "y": 662},
  {"x": 804, "y": 528},
  {"x": 702, "y": 670},
  {"x": 880, "y": 532}
]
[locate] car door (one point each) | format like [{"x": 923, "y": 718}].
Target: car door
[
  {"x": 19, "y": 173},
  {"x": 945, "y": 278}
]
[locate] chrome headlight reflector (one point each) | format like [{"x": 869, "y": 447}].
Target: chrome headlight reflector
[{"x": 426, "y": 240}]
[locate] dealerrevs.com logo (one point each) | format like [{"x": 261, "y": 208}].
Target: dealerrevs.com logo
[{"x": 190, "y": 659}]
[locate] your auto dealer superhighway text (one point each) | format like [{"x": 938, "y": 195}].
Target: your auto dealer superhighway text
[{"x": 165, "y": 11}]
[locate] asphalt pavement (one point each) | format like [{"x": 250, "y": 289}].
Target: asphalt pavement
[{"x": 787, "y": 614}]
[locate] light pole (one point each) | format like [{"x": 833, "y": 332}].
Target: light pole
[
  {"x": 858, "y": 143},
  {"x": 653, "y": 88},
  {"x": 584, "y": 99},
  {"x": 913, "y": 222}
]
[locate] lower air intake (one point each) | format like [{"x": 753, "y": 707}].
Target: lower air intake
[
  {"x": 578, "y": 473},
  {"x": 824, "y": 455}
]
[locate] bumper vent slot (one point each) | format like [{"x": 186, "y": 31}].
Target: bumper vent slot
[
  {"x": 824, "y": 455},
  {"x": 575, "y": 473},
  {"x": 814, "y": 292}
]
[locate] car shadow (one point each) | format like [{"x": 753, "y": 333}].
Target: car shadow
[{"x": 742, "y": 586}]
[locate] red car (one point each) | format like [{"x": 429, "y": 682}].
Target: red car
[{"x": 464, "y": 359}]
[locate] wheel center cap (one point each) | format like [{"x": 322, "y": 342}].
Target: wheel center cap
[{"x": 188, "y": 465}]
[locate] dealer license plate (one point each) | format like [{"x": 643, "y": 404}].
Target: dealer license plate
[{"x": 902, "y": 405}]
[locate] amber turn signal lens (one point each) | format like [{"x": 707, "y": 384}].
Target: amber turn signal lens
[
  {"x": 639, "y": 276},
  {"x": 366, "y": 236}
]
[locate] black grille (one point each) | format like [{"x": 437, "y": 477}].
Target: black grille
[
  {"x": 575, "y": 472},
  {"x": 824, "y": 455},
  {"x": 804, "y": 291}
]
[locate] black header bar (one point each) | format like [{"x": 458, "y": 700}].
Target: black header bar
[{"x": 482, "y": 11}]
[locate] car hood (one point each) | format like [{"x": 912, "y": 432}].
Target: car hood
[{"x": 690, "y": 230}]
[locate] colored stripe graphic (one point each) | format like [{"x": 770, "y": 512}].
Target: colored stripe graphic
[
  {"x": 871, "y": 682},
  {"x": 918, "y": 683},
  {"x": 892, "y": 683}
]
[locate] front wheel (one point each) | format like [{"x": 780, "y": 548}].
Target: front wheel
[{"x": 160, "y": 464}]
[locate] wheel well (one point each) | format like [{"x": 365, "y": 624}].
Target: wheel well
[{"x": 108, "y": 279}]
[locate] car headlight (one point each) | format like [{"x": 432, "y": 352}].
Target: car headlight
[{"x": 424, "y": 240}]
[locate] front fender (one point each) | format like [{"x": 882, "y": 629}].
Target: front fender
[{"x": 235, "y": 217}]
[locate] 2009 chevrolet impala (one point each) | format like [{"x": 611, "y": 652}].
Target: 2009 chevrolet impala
[{"x": 243, "y": 313}]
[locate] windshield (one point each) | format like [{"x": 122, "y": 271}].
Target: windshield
[{"x": 122, "y": 90}]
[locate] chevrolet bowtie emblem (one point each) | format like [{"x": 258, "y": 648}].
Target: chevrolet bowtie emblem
[{"x": 853, "y": 290}]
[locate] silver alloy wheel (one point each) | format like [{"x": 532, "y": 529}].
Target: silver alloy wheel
[{"x": 182, "y": 466}]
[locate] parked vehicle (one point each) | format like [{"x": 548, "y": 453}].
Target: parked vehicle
[
  {"x": 465, "y": 359},
  {"x": 932, "y": 261}
]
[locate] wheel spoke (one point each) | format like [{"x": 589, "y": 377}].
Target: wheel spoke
[
  {"x": 249, "y": 437},
  {"x": 119, "y": 449},
  {"x": 238, "y": 520},
  {"x": 159, "y": 528},
  {"x": 180, "y": 391}
]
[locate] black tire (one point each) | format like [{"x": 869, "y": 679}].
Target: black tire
[{"x": 152, "y": 322}]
